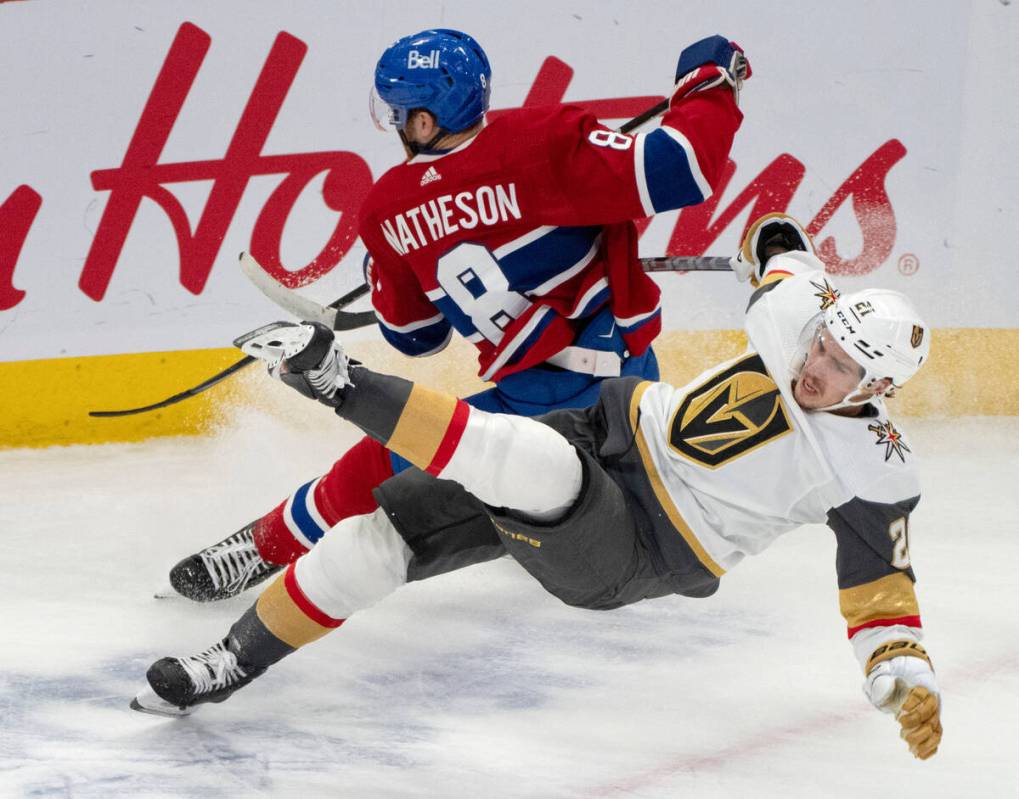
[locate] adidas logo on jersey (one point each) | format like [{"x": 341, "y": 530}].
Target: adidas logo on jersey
[{"x": 431, "y": 175}]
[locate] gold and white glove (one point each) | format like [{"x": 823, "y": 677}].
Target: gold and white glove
[
  {"x": 769, "y": 235},
  {"x": 900, "y": 680}
]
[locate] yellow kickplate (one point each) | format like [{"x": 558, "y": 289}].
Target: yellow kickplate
[{"x": 47, "y": 402}]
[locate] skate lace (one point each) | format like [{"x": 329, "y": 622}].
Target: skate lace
[
  {"x": 233, "y": 563},
  {"x": 212, "y": 670},
  {"x": 332, "y": 375}
]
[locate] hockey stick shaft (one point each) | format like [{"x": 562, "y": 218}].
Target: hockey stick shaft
[
  {"x": 207, "y": 384},
  {"x": 650, "y": 114},
  {"x": 686, "y": 263}
]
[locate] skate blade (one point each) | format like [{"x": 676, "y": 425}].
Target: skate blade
[{"x": 148, "y": 701}]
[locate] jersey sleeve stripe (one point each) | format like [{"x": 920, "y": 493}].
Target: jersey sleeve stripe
[
  {"x": 641, "y": 175},
  {"x": 671, "y": 172},
  {"x": 691, "y": 159},
  {"x": 906, "y": 621},
  {"x": 884, "y": 601}
]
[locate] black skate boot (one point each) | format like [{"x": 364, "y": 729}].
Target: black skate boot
[
  {"x": 222, "y": 570},
  {"x": 177, "y": 685}
]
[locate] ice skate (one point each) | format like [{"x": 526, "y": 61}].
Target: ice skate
[
  {"x": 177, "y": 685},
  {"x": 222, "y": 570}
]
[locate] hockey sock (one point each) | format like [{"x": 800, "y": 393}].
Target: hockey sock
[
  {"x": 491, "y": 455},
  {"x": 281, "y": 621},
  {"x": 297, "y": 524}
]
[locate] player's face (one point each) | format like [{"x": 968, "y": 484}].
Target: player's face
[{"x": 828, "y": 374}]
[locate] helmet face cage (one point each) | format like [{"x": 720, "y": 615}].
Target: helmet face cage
[{"x": 442, "y": 71}]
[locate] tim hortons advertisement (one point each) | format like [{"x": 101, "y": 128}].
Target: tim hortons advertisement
[{"x": 144, "y": 151}]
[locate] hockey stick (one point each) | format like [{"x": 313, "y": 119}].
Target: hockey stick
[
  {"x": 183, "y": 395},
  {"x": 332, "y": 314},
  {"x": 686, "y": 263}
]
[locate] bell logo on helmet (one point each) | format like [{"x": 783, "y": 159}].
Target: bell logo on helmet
[
  {"x": 417, "y": 61},
  {"x": 917, "y": 338}
]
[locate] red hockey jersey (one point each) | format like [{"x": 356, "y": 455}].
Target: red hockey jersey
[{"x": 520, "y": 235}]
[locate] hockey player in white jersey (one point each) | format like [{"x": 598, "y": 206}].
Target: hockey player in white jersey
[{"x": 654, "y": 490}]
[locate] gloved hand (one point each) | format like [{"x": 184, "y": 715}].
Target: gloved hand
[
  {"x": 305, "y": 357},
  {"x": 769, "y": 235},
  {"x": 710, "y": 62},
  {"x": 904, "y": 684}
]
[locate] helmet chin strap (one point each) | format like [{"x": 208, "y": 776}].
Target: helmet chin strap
[
  {"x": 414, "y": 148},
  {"x": 858, "y": 397}
]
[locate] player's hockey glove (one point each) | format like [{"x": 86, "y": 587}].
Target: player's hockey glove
[
  {"x": 900, "y": 680},
  {"x": 305, "y": 357},
  {"x": 769, "y": 235},
  {"x": 709, "y": 63}
]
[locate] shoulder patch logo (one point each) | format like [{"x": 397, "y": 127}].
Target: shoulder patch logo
[
  {"x": 826, "y": 293},
  {"x": 891, "y": 438}
]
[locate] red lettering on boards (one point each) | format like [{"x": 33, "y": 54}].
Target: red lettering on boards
[
  {"x": 140, "y": 175},
  {"x": 348, "y": 179}
]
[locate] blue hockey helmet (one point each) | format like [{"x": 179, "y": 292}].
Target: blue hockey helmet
[{"x": 442, "y": 71}]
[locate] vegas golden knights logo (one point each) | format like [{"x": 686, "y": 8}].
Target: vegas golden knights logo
[
  {"x": 732, "y": 413},
  {"x": 917, "y": 336}
]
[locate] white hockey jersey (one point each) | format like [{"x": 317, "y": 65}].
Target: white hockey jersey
[{"x": 734, "y": 462}]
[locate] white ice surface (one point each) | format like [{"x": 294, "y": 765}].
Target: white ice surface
[{"x": 478, "y": 684}]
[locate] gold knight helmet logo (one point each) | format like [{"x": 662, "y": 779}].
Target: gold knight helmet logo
[
  {"x": 917, "y": 338},
  {"x": 729, "y": 415}
]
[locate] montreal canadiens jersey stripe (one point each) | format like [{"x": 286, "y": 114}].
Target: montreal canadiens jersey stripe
[{"x": 667, "y": 171}]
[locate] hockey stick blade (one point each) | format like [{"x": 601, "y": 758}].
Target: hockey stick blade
[
  {"x": 304, "y": 309},
  {"x": 236, "y": 367}
]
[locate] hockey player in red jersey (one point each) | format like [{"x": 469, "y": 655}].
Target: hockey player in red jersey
[
  {"x": 518, "y": 235},
  {"x": 652, "y": 491}
]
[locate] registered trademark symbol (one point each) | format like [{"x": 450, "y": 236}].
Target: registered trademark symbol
[{"x": 909, "y": 264}]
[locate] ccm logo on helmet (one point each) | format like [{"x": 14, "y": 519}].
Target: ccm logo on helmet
[{"x": 417, "y": 61}]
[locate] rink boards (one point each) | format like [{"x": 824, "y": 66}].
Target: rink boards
[
  {"x": 148, "y": 143},
  {"x": 967, "y": 376}
]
